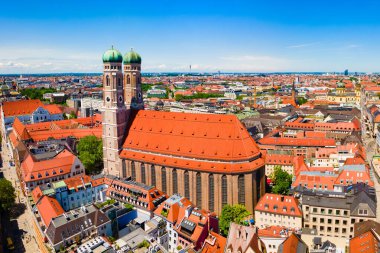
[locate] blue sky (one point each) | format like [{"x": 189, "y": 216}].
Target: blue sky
[{"x": 243, "y": 36}]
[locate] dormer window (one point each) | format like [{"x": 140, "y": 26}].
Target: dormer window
[
  {"x": 39, "y": 175},
  {"x": 266, "y": 206},
  {"x": 275, "y": 207}
]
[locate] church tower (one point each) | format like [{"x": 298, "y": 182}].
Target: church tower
[
  {"x": 114, "y": 115},
  {"x": 132, "y": 81}
]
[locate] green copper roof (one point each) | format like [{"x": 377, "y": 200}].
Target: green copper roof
[
  {"x": 59, "y": 184},
  {"x": 112, "y": 55},
  {"x": 132, "y": 57}
]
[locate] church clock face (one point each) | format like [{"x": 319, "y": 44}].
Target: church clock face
[{"x": 108, "y": 99}]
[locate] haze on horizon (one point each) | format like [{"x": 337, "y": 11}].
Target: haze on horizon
[{"x": 248, "y": 36}]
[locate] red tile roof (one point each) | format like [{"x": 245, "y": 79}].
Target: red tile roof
[
  {"x": 215, "y": 243},
  {"x": 53, "y": 109},
  {"x": 38, "y": 170},
  {"x": 202, "y": 165},
  {"x": 291, "y": 245},
  {"x": 74, "y": 182},
  {"x": 49, "y": 208},
  {"x": 206, "y": 136},
  {"x": 20, "y": 107},
  {"x": 304, "y": 142},
  {"x": 365, "y": 243},
  {"x": 125, "y": 191},
  {"x": 274, "y": 231},
  {"x": 175, "y": 139},
  {"x": 20, "y": 129},
  {"x": 279, "y": 204}
]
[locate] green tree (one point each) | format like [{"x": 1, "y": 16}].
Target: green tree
[
  {"x": 301, "y": 100},
  {"x": 72, "y": 115},
  {"x": 90, "y": 150},
  {"x": 281, "y": 180},
  {"x": 36, "y": 93},
  {"x": 235, "y": 213},
  {"x": 7, "y": 195}
]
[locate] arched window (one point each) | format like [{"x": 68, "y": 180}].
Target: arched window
[
  {"x": 153, "y": 174},
  {"x": 119, "y": 82},
  {"x": 133, "y": 171},
  {"x": 128, "y": 79},
  {"x": 107, "y": 81},
  {"x": 224, "y": 190},
  {"x": 124, "y": 168},
  {"x": 241, "y": 193},
  {"x": 211, "y": 192},
  {"x": 175, "y": 181},
  {"x": 187, "y": 184},
  {"x": 199, "y": 189},
  {"x": 163, "y": 173},
  {"x": 143, "y": 177}
]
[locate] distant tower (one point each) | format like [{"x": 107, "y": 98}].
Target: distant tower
[
  {"x": 132, "y": 81},
  {"x": 294, "y": 92},
  {"x": 114, "y": 111},
  {"x": 254, "y": 98},
  {"x": 346, "y": 72}
]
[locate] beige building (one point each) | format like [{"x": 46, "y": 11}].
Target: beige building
[
  {"x": 334, "y": 214},
  {"x": 278, "y": 210}
]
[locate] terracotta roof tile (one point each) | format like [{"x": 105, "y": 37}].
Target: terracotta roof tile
[
  {"x": 20, "y": 107},
  {"x": 49, "y": 208},
  {"x": 279, "y": 204},
  {"x": 206, "y": 136}
]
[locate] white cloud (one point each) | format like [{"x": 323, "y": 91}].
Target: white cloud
[{"x": 303, "y": 45}]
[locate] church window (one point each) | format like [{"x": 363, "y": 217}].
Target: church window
[
  {"x": 241, "y": 194},
  {"x": 175, "y": 181},
  {"x": 128, "y": 79},
  {"x": 133, "y": 171},
  {"x": 211, "y": 192},
  {"x": 143, "y": 177},
  {"x": 187, "y": 184},
  {"x": 153, "y": 174},
  {"x": 119, "y": 82},
  {"x": 107, "y": 81},
  {"x": 199, "y": 189},
  {"x": 163, "y": 172},
  {"x": 224, "y": 190}
]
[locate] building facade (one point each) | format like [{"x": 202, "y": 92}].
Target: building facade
[{"x": 334, "y": 214}]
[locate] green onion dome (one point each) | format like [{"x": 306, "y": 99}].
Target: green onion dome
[
  {"x": 112, "y": 55},
  {"x": 132, "y": 57}
]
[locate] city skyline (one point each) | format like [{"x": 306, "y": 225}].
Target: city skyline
[{"x": 211, "y": 37}]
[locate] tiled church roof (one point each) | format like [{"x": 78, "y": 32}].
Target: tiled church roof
[{"x": 202, "y": 136}]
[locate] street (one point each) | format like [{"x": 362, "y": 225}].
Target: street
[{"x": 19, "y": 227}]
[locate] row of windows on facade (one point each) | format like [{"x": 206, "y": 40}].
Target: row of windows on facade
[
  {"x": 282, "y": 223},
  {"x": 119, "y": 67},
  {"x": 119, "y": 80},
  {"x": 323, "y": 211},
  {"x": 199, "y": 190}
]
